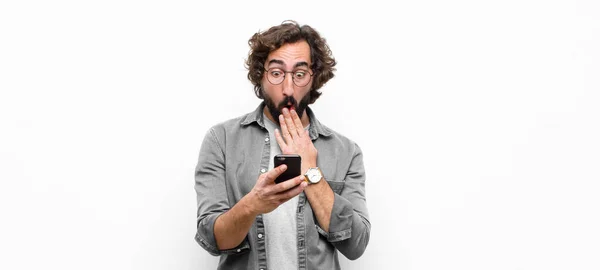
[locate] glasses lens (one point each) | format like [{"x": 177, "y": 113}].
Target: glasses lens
[
  {"x": 275, "y": 75},
  {"x": 301, "y": 77}
]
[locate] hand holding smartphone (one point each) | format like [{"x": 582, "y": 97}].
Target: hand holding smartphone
[{"x": 293, "y": 163}]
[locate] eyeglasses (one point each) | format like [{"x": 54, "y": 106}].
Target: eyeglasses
[{"x": 300, "y": 77}]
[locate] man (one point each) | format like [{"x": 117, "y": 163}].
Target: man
[{"x": 243, "y": 215}]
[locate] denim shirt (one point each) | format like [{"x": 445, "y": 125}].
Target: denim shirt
[{"x": 233, "y": 155}]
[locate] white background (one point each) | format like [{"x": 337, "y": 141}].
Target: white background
[{"x": 479, "y": 122}]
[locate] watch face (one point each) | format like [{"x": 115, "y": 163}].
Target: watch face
[{"x": 313, "y": 175}]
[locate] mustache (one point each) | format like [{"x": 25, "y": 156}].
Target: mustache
[{"x": 285, "y": 102}]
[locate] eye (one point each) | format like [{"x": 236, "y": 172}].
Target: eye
[
  {"x": 299, "y": 74},
  {"x": 276, "y": 73}
]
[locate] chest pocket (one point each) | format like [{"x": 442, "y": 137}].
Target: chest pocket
[{"x": 336, "y": 186}]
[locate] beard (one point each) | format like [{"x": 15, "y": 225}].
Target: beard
[{"x": 275, "y": 109}]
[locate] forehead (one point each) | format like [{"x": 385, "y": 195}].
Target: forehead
[{"x": 290, "y": 54}]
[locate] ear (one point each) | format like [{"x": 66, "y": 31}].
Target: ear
[{"x": 259, "y": 91}]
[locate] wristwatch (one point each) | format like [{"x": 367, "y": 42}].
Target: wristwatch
[{"x": 313, "y": 175}]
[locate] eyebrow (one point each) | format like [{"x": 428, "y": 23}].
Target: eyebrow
[{"x": 277, "y": 61}]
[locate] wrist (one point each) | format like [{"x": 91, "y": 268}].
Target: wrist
[{"x": 248, "y": 207}]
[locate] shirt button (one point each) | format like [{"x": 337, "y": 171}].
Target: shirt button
[
  {"x": 239, "y": 250},
  {"x": 266, "y": 139},
  {"x": 263, "y": 170},
  {"x": 260, "y": 235}
]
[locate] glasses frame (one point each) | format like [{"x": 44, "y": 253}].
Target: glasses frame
[{"x": 309, "y": 71}]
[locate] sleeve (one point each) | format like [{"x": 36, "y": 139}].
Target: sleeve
[
  {"x": 349, "y": 226},
  {"x": 211, "y": 195}
]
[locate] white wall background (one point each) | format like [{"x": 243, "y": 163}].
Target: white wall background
[{"x": 479, "y": 122}]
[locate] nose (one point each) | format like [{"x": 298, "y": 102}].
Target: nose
[{"x": 288, "y": 85}]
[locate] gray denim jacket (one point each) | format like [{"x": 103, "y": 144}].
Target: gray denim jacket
[{"x": 234, "y": 154}]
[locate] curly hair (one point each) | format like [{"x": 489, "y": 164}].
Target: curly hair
[{"x": 262, "y": 43}]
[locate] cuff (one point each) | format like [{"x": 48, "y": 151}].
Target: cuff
[
  {"x": 213, "y": 250},
  {"x": 206, "y": 238},
  {"x": 335, "y": 236}
]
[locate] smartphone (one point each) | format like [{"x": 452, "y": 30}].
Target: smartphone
[{"x": 293, "y": 163}]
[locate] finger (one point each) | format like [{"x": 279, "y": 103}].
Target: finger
[
  {"x": 293, "y": 192},
  {"x": 285, "y": 185},
  {"x": 297, "y": 122},
  {"x": 271, "y": 175},
  {"x": 289, "y": 123},
  {"x": 279, "y": 139},
  {"x": 284, "y": 129}
]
